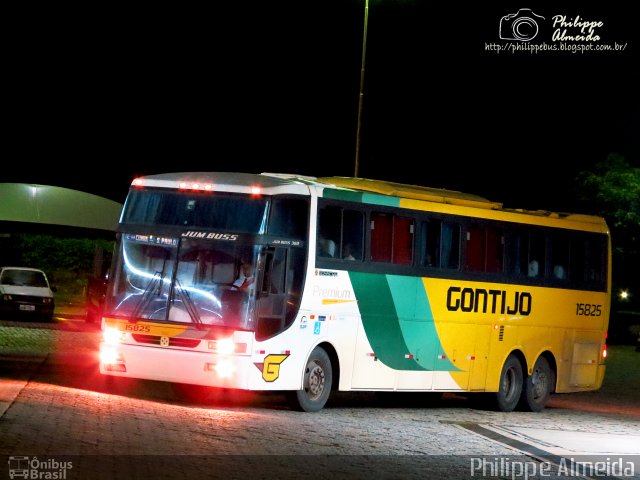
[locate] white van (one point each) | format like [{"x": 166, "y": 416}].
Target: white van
[{"x": 25, "y": 292}]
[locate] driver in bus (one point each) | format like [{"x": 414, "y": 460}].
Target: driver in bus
[{"x": 245, "y": 278}]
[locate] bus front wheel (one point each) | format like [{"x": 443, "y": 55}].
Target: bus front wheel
[
  {"x": 510, "y": 388},
  {"x": 316, "y": 383},
  {"x": 537, "y": 387}
]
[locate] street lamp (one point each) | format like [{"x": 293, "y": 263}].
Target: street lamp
[{"x": 361, "y": 96}]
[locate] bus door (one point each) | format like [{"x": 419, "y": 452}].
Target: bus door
[{"x": 280, "y": 280}]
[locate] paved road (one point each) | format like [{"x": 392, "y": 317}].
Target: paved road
[{"x": 55, "y": 406}]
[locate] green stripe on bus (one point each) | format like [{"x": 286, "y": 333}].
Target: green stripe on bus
[
  {"x": 361, "y": 197},
  {"x": 416, "y": 321},
  {"x": 380, "y": 320},
  {"x": 398, "y": 322}
]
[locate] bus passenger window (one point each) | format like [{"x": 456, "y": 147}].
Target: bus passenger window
[
  {"x": 352, "y": 235},
  {"x": 533, "y": 269},
  {"x": 431, "y": 243},
  {"x": 484, "y": 249},
  {"x": 536, "y": 255},
  {"x": 391, "y": 239},
  {"x": 596, "y": 260},
  {"x": 329, "y": 225},
  {"x": 475, "y": 248},
  {"x": 495, "y": 250},
  {"x": 450, "y": 246},
  {"x": 381, "y": 237},
  {"x": 402, "y": 240},
  {"x": 578, "y": 261},
  {"x": 559, "y": 257}
]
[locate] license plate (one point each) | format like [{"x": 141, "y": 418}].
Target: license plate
[{"x": 28, "y": 308}]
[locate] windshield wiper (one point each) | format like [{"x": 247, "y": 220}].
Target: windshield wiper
[
  {"x": 154, "y": 284},
  {"x": 189, "y": 305}
]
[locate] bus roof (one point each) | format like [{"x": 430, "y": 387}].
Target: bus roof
[
  {"x": 227, "y": 181},
  {"x": 301, "y": 183},
  {"x": 415, "y": 192},
  {"x": 451, "y": 197}
]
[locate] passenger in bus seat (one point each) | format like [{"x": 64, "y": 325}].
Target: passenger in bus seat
[
  {"x": 326, "y": 247},
  {"x": 347, "y": 252},
  {"x": 533, "y": 268},
  {"x": 558, "y": 272}
]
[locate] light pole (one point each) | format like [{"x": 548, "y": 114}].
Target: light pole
[{"x": 361, "y": 96}]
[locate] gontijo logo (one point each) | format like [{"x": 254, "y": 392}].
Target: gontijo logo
[
  {"x": 488, "y": 301},
  {"x": 270, "y": 368}
]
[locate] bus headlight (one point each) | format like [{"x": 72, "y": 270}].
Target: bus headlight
[
  {"x": 112, "y": 336},
  {"x": 226, "y": 346}
]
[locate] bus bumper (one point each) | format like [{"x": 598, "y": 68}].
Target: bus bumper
[{"x": 178, "y": 366}]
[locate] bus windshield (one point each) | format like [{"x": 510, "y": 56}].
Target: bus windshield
[
  {"x": 221, "y": 211},
  {"x": 183, "y": 280}
]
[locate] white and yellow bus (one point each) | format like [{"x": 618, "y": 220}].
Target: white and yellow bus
[{"x": 356, "y": 285}]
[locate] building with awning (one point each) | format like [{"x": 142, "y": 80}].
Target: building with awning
[
  {"x": 49, "y": 210},
  {"x": 43, "y": 208}
]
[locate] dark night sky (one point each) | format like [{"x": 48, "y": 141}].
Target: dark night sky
[{"x": 100, "y": 96}]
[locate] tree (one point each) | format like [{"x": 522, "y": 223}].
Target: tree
[{"x": 612, "y": 190}]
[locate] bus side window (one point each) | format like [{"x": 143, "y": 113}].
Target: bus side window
[
  {"x": 329, "y": 225},
  {"x": 536, "y": 255},
  {"x": 392, "y": 239},
  {"x": 352, "y": 235},
  {"x": 484, "y": 249},
  {"x": 431, "y": 243},
  {"x": 559, "y": 257},
  {"x": 381, "y": 237},
  {"x": 450, "y": 246},
  {"x": 596, "y": 260}
]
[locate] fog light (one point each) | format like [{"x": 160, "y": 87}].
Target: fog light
[
  {"x": 225, "y": 368},
  {"x": 110, "y": 355},
  {"x": 112, "y": 336},
  {"x": 115, "y": 367}
]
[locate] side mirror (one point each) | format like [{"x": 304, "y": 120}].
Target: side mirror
[{"x": 54, "y": 288}]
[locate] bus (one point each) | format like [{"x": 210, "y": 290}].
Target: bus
[{"x": 357, "y": 285}]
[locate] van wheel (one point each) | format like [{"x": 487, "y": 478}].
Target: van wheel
[
  {"x": 316, "y": 384},
  {"x": 510, "y": 387},
  {"x": 537, "y": 387}
]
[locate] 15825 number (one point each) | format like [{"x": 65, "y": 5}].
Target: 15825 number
[{"x": 588, "y": 310}]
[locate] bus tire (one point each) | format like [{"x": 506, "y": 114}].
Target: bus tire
[
  {"x": 316, "y": 383},
  {"x": 510, "y": 387},
  {"x": 537, "y": 387}
]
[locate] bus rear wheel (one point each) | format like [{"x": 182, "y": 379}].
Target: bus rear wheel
[
  {"x": 510, "y": 387},
  {"x": 316, "y": 383},
  {"x": 537, "y": 387}
]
